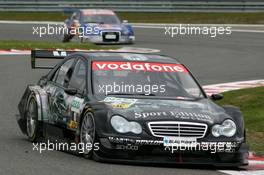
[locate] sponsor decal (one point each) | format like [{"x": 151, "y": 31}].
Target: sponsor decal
[
  {"x": 76, "y": 105},
  {"x": 97, "y": 12},
  {"x": 127, "y": 147},
  {"x": 138, "y": 66},
  {"x": 120, "y": 102},
  {"x": 175, "y": 114},
  {"x": 122, "y": 106},
  {"x": 120, "y": 140},
  {"x": 72, "y": 124}
]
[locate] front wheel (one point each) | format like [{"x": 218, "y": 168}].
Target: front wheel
[
  {"x": 33, "y": 132},
  {"x": 87, "y": 134}
]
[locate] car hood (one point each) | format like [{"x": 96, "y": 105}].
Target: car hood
[{"x": 138, "y": 109}]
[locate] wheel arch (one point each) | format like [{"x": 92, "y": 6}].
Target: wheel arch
[{"x": 29, "y": 93}]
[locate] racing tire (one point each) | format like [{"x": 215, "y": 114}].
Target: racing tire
[
  {"x": 32, "y": 124},
  {"x": 87, "y": 134}
]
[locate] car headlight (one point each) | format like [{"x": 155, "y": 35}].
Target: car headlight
[
  {"x": 227, "y": 128},
  {"x": 121, "y": 125},
  {"x": 135, "y": 127}
]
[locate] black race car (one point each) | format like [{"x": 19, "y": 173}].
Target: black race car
[{"x": 131, "y": 107}]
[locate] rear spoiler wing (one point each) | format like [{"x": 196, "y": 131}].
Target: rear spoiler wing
[{"x": 47, "y": 54}]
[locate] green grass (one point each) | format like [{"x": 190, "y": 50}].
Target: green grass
[
  {"x": 173, "y": 17},
  {"x": 251, "y": 103},
  {"x": 14, "y": 44},
  {"x": 33, "y": 16}
]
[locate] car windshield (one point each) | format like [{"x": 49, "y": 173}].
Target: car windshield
[
  {"x": 101, "y": 19},
  {"x": 143, "y": 78}
]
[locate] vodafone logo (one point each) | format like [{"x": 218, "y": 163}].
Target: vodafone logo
[{"x": 138, "y": 66}]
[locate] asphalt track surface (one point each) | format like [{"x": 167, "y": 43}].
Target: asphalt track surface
[{"x": 212, "y": 60}]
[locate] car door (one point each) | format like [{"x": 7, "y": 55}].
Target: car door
[
  {"x": 57, "y": 97},
  {"x": 66, "y": 92}
]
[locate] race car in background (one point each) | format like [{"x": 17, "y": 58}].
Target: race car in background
[
  {"x": 131, "y": 107},
  {"x": 98, "y": 26}
]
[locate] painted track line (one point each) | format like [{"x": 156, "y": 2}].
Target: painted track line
[
  {"x": 220, "y": 88},
  {"x": 123, "y": 49},
  {"x": 233, "y": 172}
]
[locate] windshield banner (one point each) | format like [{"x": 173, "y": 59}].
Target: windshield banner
[{"x": 138, "y": 66}]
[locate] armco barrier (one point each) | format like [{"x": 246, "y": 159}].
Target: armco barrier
[{"x": 136, "y": 6}]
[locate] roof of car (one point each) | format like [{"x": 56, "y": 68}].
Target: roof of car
[{"x": 128, "y": 56}]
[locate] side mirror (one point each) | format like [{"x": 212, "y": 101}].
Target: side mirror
[
  {"x": 71, "y": 91},
  {"x": 125, "y": 21},
  {"x": 216, "y": 97},
  {"x": 43, "y": 81}
]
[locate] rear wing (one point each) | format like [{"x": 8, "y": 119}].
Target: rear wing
[{"x": 47, "y": 54}]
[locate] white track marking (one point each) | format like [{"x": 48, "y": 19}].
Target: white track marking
[
  {"x": 123, "y": 49},
  {"x": 232, "y": 172},
  {"x": 256, "y": 162},
  {"x": 248, "y": 31},
  {"x": 30, "y": 22},
  {"x": 219, "y": 88}
]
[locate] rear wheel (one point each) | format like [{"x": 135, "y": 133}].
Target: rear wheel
[
  {"x": 87, "y": 134},
  {"x": 32, "y": 120}
]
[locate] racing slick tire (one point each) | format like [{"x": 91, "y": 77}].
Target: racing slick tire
[
  {"x": 34, "y": 132},
  {"x": 87, "y": 134}
]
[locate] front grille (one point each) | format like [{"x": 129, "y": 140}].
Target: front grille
[{"x": 177, "y": 129}]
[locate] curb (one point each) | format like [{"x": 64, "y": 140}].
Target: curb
[
  {"x": 224, "y": 87},
  {"x": 253, "y": 156}
]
